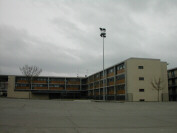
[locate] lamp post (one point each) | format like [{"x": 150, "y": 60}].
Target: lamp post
[{"x": 103, "y": 34}]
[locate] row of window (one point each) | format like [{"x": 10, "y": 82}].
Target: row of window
[
  {"x": 171, "y": 74},
  {"x": 45, "y": 85},
  {"x": 120, "y": 77},
  {"x": 111, "y": 70},
  {"x": 46, "y": 79},
  {"x": 121, "y": 87},
  {"x": 119, "y": 67},
  {"x": 21, "y": 85}
]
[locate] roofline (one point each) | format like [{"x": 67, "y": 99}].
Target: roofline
[
  {"x": 45, "y": 76},
  {"x": 107, "y": 68},
  {"x": 125, "y": 61},
  {"x": 143, "y": 58},
  {"x": 175, "y": 68}
]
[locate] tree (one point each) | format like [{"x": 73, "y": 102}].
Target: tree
[
  {"x": 157, "y": 85},
  {"x": 30, "y": 72}
]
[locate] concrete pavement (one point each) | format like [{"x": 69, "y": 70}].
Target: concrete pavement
[{"x": 55, "y": 116}]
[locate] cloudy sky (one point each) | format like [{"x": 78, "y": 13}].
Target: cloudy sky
[{"x": 62, "y": 36}]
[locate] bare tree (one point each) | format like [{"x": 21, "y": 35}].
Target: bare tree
[
  {"x": 157, "y": 85},
  {"x": 30, "y": 72}
]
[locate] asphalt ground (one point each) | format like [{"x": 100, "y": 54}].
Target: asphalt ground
[{"x": 84, "y": 116}]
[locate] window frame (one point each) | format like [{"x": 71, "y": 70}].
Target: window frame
[
  {"x": 141, "y": 78},
  {"x": 140, "y": 67},
  {"x": 141, "y": 90}
]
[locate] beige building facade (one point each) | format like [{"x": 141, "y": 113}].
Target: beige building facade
[{"x": 140, "y": 74}]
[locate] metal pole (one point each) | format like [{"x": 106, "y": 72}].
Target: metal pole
[{"x": 103, "y": 73}]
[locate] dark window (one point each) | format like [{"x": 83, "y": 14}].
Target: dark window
[
  {"x": 141, "y": 100},
  {"x": 121, "y": 66},
  {"x": 141, "y": 90},
  {"x": 120, "y": 77},
  {"x": 141, "y": 78},
  {"x": 172, "y": 74},
  {"x": 140, "y": 67}
]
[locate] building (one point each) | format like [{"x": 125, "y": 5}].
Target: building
[
  {"x": 130, "y": 80},
  {"x": 3, "y": 85},
  {"x": 172, "y": 84}
]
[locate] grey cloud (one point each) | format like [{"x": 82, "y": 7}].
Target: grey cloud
[
  {"x": 22, "y": 49},
  {"x": 134, "y": 29}
]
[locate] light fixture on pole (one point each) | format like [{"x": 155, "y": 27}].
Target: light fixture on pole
[{"x": 103, "y": 34}]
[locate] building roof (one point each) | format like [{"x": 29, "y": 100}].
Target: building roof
[{"x": 172, "y": 69}]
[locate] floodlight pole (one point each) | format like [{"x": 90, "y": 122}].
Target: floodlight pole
[
  {"x": 103, "y": 74},
  {"x": 103, "y": 34}
]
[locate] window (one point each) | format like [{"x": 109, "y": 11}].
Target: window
[
  {"x": 41, "y": 79},
  {"x": 111, "y": 70},
  {"x": 140, "y": 67},
  {"x": 110, "y": 79},
  {"x": 97, "y": 76},
  {"x": 172, "y": 74},
  {"x": 141, "y": 90},
  {"x": 141, "y": 78},
  {"x": 120, "y": 77},
  {"x": 120, "y": 87},
  {"x": 141, "y": 100},
  {"x": 121, "y": 66},
  {"x": 39, "y": 85},
  {"x": 21, "y": 85}
]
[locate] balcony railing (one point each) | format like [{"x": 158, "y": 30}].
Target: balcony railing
[
  {"x": 110, "y": 74},
  {"x": 110, "y": 83},
  {"x": 122, "y": 81},
  {"x": 111, "y": 92},
  {"x": 121, "y": 92},
  {"x": 22, "y": 81},
  {"x": 120, "y": 71},
  {"x": 56, "y": 88},
  {"x": 40, "y": 88},
  {"x": 36, "y": 81},
  {"x": 22, "y": 88},
  {"x": 57, "y": 82},
  {"x": 74, "y": 82},
  {"x": 73, "y": 88}
]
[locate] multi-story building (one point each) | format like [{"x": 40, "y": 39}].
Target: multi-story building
[
  {"x": 47, "y": 87},
  {"x": 172, "y": 84},
  {"x": 130, "y": 80},
  {"x": 3, "y": 85}
]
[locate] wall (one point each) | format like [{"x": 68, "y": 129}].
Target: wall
[
  {"x": 153, "y": 69},
  {"x": 39, "y": 96}
]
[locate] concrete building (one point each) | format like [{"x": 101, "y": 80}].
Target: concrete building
[
  {"x": 172, "y": 84},
  {"x": 130, "y": 80}
]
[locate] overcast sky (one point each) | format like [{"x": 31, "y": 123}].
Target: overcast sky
[{"x": 62, "y": 36}]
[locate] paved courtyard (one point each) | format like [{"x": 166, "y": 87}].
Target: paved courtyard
[{"x": 55, "y": 116}]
